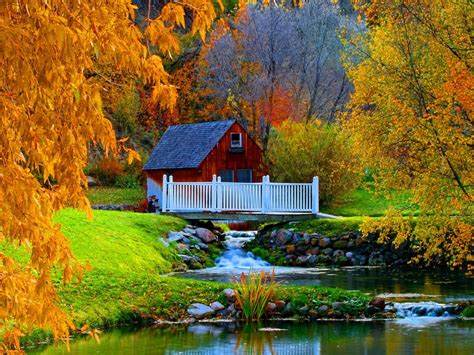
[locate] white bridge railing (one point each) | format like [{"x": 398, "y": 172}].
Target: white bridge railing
[{"x": 218, "y": 196}]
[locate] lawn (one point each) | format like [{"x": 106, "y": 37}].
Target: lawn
[
  {"x": 102, "y": 195},
  {"x": 365, "y": 202}
]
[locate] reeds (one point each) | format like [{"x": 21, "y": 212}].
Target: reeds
[{"x": 253, "y": 292}]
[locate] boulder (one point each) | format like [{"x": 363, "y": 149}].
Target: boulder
[
  {"x": 323, "y": 310},
  {"x": 199, "y": 311},
  {"x": 314, "y": 242},
  {"x": 206, "y": 235},
  {"x": 217, "y": 306},
  {"x": 231, "y": 309},
  {"x": 280, "y": 305},
  {"x": 283, "y": 236},
  {"x": 312, "y": 259},
  {"x": 327, "y": 252},
  {"x": 306, "y": 239},
  {"x": 378, "y": 303},
  {"x": 190, "y": 230},
  {"x": 324, "y": 242},
  {"x": 271, "y": 307},
  {"x": 290, "y": 249},
  {"x": 203, "y": 246},
  {"x": 338, "y": 253},
  {"x": 301, "y": 260},
  {"x": 296, "y": 238},
  {"x": 303, "y": 311},
  {"x": 175, "y": 236},
  {"x": 229, "y": 295},
  {"x": 187, "y": 258}
]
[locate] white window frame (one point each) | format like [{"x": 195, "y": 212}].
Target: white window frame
[{"x": 232, "y": 145}]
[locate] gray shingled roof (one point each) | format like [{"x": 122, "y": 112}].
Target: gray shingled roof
[{"x": 186, "y": 146}]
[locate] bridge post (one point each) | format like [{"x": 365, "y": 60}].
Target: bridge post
[
  {"x": 164, "y": 193},
  {"x": 265, "y": 193},
  {"x": 219, "y": 194},
  {"x": 214, "y": 194},
  {"x": 315, "y": 195},
  {"x": 171, "y": 201}
]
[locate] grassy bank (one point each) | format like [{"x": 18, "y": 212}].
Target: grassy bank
[
  {"x": 365, "y": 202},
  {"x": 125, "y": 284},
  {"x": 103, "y": 195}
]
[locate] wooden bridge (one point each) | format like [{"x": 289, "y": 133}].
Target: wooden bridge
[{"x": 217, "y": 200}]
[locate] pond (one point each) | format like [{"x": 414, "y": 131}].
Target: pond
[{"x": 375, "y": 337}]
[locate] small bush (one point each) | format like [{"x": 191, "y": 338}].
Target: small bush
[
  {"x": 127, "y": 182},
  {"x": 299, "y": 151},
  {"x": 253, "y": 292},
  {"x": 468, "y": 312},
  {"x": 107, "y": 170}
]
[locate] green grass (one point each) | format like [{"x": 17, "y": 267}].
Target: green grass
[
  {"x": 102, "y": 195},
  {"x": 364, "y": 202},
  {"x": 120, "y": 241},
  {"x": 329, "y": 227}
]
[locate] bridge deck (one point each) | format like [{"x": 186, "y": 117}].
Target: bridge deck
[{"x": 243, "y": 216}]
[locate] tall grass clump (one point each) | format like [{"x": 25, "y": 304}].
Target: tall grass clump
[{"x": 253, "y": 292}]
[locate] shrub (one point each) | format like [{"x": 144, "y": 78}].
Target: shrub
[
  {"x": 253, "y": 292},
  {"x": 468, "y": 312},
  {"x": 107, "y": 170},
  {"x": 299, "y": 151},
  {"x": 127, "y": 181}
]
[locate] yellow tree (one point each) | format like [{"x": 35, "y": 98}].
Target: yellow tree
[
  {"x": 412, "y": 118},
  {"x": 50, "y": 110}
]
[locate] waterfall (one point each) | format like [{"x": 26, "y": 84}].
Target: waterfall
[
  {"x": 424, "y": 309},
  {"x": 235, "y": 257}
]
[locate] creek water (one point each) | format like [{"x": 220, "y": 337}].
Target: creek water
[
  {"x": 374, "y": 337},
  {"x": 422, "y": 300}
]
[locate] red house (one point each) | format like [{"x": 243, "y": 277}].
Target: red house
[{"x": 196, "y": 152}]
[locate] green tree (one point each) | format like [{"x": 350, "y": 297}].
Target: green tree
[{"x": 299, "y": 151}]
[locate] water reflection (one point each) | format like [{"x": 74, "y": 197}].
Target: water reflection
[{"x": 385, "y": 337}]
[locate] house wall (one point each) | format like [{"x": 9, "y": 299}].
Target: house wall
[{"x": 220, "y": 158}]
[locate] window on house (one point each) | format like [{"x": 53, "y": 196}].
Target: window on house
[
  {"x": 244, "y": 175},
  {"x": 226, "y": 175},
  {"x": 236, "y": 140}
]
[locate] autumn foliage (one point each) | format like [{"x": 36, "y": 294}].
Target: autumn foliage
[
  {"x": 299, "y": 151},
  {"x": 412, "y": 118},
  {"x": 50, "y": 111}
]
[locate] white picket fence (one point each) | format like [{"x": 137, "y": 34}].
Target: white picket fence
[{"x": 218, "y": 196}]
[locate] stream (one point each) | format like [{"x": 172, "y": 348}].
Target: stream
[{"x": 423, "y": 301}]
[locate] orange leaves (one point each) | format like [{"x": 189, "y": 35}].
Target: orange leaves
[
  {"x": 173, "y": 14},
  {"x": 53, "y": 78}
]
